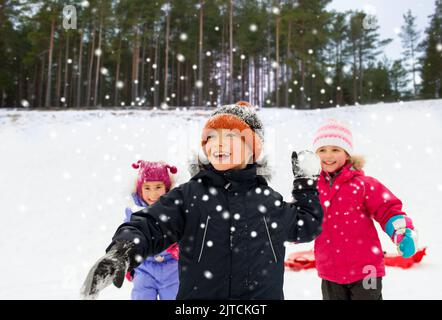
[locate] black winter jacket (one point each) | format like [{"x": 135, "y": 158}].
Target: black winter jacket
[{"x": 231, "y": 228}]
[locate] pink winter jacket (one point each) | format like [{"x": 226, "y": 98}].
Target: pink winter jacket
[{"x": 349, "y": 241}]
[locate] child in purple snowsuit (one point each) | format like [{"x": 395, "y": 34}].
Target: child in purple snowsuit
[{"x": 157, "y": 276}]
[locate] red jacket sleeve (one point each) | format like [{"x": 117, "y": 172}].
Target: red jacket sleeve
[{"x": 380, "y": 202}]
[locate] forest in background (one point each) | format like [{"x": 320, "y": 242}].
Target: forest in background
[{"x": 273, "y": 53}]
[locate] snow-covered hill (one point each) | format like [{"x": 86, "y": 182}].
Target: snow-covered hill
[{"x": 65, "y": 177}]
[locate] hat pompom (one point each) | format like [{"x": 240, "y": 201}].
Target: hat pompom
[
  {"x": 243, "y": 104},
  {"x": 136, "y": 165},
  {"x": 172, "y": 169}
]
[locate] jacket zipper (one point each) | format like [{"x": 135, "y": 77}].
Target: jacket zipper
[
  {"x": 204, "y": 239},
  {"x": 270, "y": 239}
]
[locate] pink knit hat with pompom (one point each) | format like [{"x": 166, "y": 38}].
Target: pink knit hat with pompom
[
  {"x": 334, "y": 132},
  {"x": 153, "y": 171}
]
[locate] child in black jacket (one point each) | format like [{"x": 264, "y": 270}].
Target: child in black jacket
[{"x": 229, "y": 224}]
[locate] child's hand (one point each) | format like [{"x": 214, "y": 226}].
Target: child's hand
[
  {"x": 306, "y": 164},
  {"x": 401, "y": 230},
  {"x": 111, "y": 268}
]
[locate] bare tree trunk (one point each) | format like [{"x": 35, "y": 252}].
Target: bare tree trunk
[
  {"x": 143, "y": 63},
  {"x": 286, "y": 79},
  {"x": 166, "y": 58},
  {"x": 156, "y": 92},
  {"x": 278, "y": 20},
  {"x": 66, "y": 71},
  {"x": 80, "y": 68},
  {"x": 200, "y": 53},
  {"x": 97, "y": 69},
  {"x": 51, "y": 48},
  {"x": 58, "y": 82},
  {"x": 117, "y": 72},
  {"x": 42, "y": 78},
  {"x": 231, "y": 52},
  {"x": 91, "y": 64},
  {"x": 135, "y": 63}
]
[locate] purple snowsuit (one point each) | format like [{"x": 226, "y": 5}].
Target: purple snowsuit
[{"x": 152, "y": 278}]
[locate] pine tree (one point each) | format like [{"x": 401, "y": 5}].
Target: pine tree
[
  {"x": 410, "y": 42},
  {"x": 432, "y": 58}
]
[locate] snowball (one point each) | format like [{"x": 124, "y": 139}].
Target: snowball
[{"x": 309, "y": 163}]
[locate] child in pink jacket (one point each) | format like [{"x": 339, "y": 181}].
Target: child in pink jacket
[{"x": 349, "y": 256}]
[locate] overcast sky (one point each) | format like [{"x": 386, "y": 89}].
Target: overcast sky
[{"x": 390, "y": 16}]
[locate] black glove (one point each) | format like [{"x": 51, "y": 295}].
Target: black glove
[
  {"x": 111, "y": 268},
  {"x": 306, "y": 167}
]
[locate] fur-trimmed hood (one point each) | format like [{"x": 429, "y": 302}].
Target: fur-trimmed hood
[{"x": 358, "y": 162}]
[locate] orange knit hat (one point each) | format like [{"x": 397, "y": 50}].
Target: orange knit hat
[{"x": 240, "y": 116}]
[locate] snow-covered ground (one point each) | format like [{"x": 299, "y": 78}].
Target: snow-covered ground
[{"x": 65, "y": 177}]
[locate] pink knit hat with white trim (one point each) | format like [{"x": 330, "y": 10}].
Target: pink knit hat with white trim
[
  {"x": 153, "y": 171},
  {"x": 334, "y": 133}
]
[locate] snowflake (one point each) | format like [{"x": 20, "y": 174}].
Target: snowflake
[
  {"x": 208, "y": 274},
  {"x": 24, "y": 103},
  {"x": 253, "y": 27},
  {"x": 253, "y": 234},
  {"x": 210, "y": 243},
  {"x": 205, "y": 197},
  {"x": 219, "y": 208},
  {"x": 262, "y": 208},
  {"x": 375, "y": 250},
  {"x": 236, "y": 216}
]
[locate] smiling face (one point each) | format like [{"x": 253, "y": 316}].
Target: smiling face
[
  {"x": 226, "y": 149},
  {"x": 332, "y": 158},
  {"x": 151, "y": 191}
]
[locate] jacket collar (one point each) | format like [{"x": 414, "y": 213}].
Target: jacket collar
[
  {"x": 233, "y": 179},
  {"x": 346, "y": 173}
]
